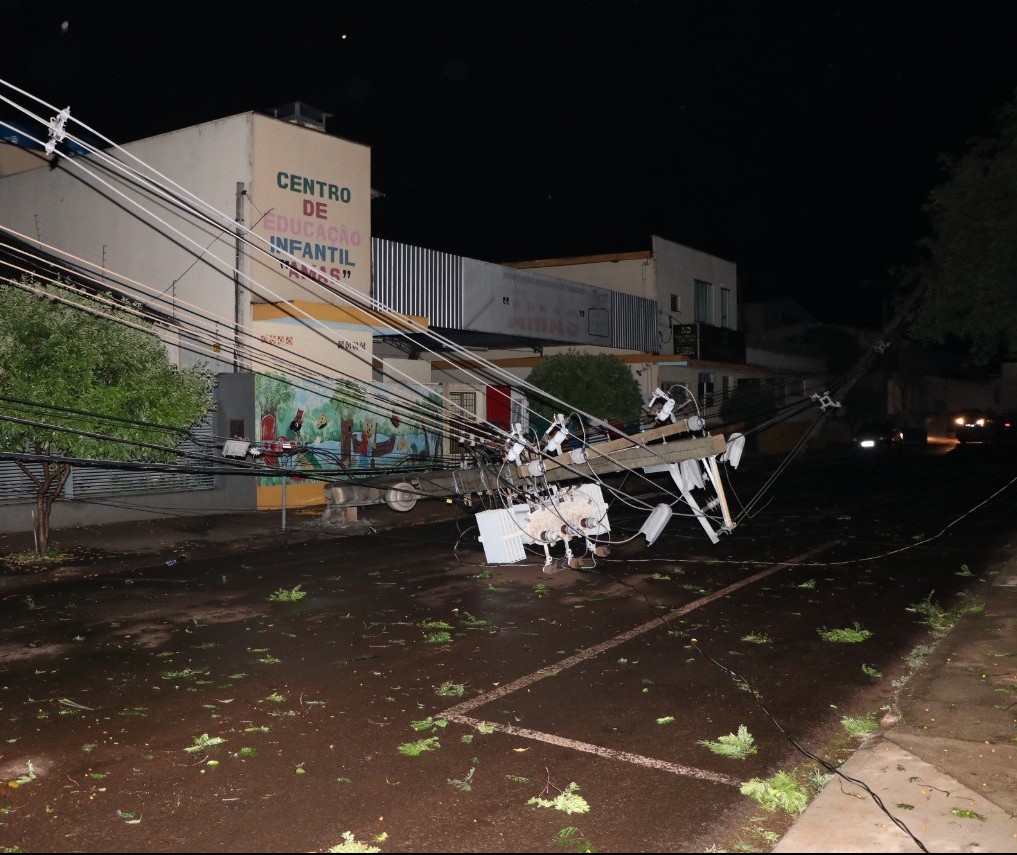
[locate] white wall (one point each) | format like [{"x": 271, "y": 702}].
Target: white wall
[
  {"x": 669, "y": 269},
  {"x": 182, "y": 265},
  {"x": 677, "y": 268},
  {"x": 310, "y": 194},
  {"x": 176, "y": 263}
]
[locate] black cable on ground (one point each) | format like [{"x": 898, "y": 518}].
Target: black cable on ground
[{"x": 738, "y": 679}]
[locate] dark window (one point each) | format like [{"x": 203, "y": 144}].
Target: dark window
[{"x": 704, "y": 302}]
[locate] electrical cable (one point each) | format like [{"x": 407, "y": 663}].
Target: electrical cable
[
  {"x": 411, "y": 404},
  {"x": 665, "y": 621},
  {"x": 355, "y": 298},
  {"x": 24, "y": 286},
  {"x": 179, "y": 197}
]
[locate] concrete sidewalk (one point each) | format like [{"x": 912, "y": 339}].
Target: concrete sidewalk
[
  {"x": 944, "y": 768},
  {"x": 176, "y": 537}
]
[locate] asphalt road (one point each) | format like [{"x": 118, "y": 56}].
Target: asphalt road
[{"x": 397, "y": 688}]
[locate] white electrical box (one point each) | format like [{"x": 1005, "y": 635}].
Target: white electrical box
[{"x": 502, "y": 535}]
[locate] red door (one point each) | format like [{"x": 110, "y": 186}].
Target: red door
[{"x": 499, "y": 406}]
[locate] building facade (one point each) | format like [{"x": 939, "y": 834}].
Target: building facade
[
  {"x": 213, "y": 228},
  {"x": 250, "y": 236}
]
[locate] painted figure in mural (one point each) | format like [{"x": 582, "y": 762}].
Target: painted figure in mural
[
  {"x": 297, "y": 424},
  {"x": 362, "y": 446},
  {"x": 322, "y": 422}
]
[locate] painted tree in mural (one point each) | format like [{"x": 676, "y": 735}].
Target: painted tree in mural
[
  {"x": 347, "y": 399},
  {"x": 83, "y": 378},
  {"x": 274, "y": 396},
  {"x": 425, "y": 418}
]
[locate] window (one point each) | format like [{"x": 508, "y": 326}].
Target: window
[
  {"x": 676, "y": 303},
  {"x": 725, "y": 308},
  {"x": 462, "y": 401},
  {"x": 704, "y": 301},
  {"x": 705, "y": 389}
]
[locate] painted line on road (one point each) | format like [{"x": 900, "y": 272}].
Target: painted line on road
[
  {"x": 597, "y": 649},
  {"x": 601, "y": 751},
  {"x": 458, "y": 712}
]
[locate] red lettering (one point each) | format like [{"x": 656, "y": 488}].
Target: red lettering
[{"x": 318, "y": 210}]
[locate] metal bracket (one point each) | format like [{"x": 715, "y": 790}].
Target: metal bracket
[
  {"x": 56, "y": 129},
  {"x": 825, "y": 401},
  {"x": 681, "y": 479}
]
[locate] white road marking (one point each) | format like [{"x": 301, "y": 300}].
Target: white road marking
[
  {"x": 600, "y": 751},
  {"x": 457, "y": 712}
]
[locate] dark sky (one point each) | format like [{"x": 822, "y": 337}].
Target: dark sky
[{"x": 799, "y": 140}]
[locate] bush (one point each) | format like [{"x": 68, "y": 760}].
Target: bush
[{"x": 599, "y": 384}]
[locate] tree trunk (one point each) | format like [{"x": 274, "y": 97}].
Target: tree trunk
[
  {"x": 43, "y": 505},
  {"x": 346, "y": 437},
  {"x": 47, "y": 487}
]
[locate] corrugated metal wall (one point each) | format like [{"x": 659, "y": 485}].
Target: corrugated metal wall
[
  {"x": 84, "y": 483},
  {"x": 634, "y": 323},
  {"x": 416, "y": 281},
  {"x": 429, "y": 284}
]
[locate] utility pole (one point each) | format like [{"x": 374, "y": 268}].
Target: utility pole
[
  {"x": 892, "y": 332},
  {"x": 238, "y": 256}
]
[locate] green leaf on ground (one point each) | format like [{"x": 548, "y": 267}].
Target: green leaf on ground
[
  {"x": 415, "y": 749},
  {"x": 351, "y": 844},
  {"x": 849, "y": 635},
  {"x": 737, "y": 746},
  {"x": 567, "y": 801}
]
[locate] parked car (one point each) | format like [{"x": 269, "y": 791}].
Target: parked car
[
  {"x": 977, "y": 425},
  {"x": 878, "y": 436}
]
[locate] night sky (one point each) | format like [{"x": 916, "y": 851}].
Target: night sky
[{"x": 798, "y": 140}]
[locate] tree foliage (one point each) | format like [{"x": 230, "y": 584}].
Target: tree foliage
[
  {"x": 970, "y": 267},
  {"x": 598, "y": 384},
  {"x": 274, "y": 392},
  {"x": 78, "y": 382}
]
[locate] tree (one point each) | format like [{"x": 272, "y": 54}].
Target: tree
[
  {"x": 79, "y": 383},
  {"x": 598, "y": 384},
  {"x": 969, "y": 272},
  {"x": 348, "y": 400},
  {"x": 273, "y": 393}
]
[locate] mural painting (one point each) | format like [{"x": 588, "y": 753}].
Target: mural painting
[{"x": 305, "y": 431}]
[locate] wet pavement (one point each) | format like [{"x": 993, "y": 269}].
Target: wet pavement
[
  {"x": 946, "y": 761},
  {"x": 943, "y": 763}
]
